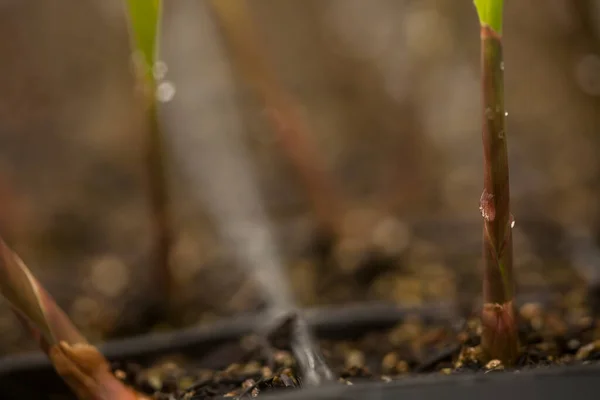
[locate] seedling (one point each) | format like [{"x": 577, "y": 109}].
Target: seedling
[
  {"x": 499, "y": 337},
  {"x": 84, "y": 368},
  {"x": 143, "y": 22},
  {"x": 79, "y": 363},
  {"x": 283, "y": 112},
  {"x": 334, "y": 215}
]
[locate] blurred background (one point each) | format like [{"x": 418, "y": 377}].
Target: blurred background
[{"x": 390, "y": 90}]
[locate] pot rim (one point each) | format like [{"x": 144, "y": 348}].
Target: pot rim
[
  {"x": 547, "y": 382},
  {"x": 322, "y": 319},
  {"x": 325, "y": 320}
]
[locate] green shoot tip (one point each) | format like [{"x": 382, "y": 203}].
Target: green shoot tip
[
  {"x": 490, "y": 13},
  {"x": 143, "y": 18}
]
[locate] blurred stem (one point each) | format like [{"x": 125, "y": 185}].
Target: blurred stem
[
  {"x": 499, "y": 337},
  {"x": 294, "y": 137},
  {"x": 144, "y": 17},
  {"x": 78, "y": 363},
  {"x": 159, "y": 197},
  {"x": 282, "y": 109}
]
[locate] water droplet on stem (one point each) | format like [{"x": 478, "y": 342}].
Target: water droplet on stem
[
  {"x": 159, "y": 70},
  {"x": 165, "y": 91}
]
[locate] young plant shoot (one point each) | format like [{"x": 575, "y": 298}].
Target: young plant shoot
[
  {"x": 143, "y": 18},
  {"x": 499, "y": 337},
  {"x": 80, "y": 365},
  {"x": 283, "y": 112},
  {"x": 235, "y": 20}
]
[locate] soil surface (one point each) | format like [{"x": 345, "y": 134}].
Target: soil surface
[{"x": 563, "y": 333}]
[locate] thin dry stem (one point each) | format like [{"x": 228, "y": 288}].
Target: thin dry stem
[
  {"x": 283, "y": 112},
  {"x": 80, "y": 364}
]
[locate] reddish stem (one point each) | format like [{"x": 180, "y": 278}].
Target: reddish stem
[
  {"x": 499, "y": 338},
  {"x": 80, "y": 364},
  {"x": 293, "y": 133}
]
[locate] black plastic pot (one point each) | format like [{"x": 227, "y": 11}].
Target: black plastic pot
[
  {"x": 32, "y": 376},
  {"x": 553, "y": 383}
]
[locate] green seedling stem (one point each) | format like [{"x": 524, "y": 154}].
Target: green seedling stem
[
  {"x": 499, "y": 335},
  {"x": 144, "y": 17}
]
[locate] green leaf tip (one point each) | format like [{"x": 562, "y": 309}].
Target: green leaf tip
[
  {"x": 144, "y": 16},
  {"x": 490, "y": 13}
]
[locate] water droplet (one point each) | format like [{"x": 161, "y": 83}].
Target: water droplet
[
  {"x": 501, "y": 134},
  {"x": 512, "y": 221},
  {"x": 502, "y": 65},
  {"x": 159, "y": 70},
  {"x": 165, "y": 91},
  {"x": 489, "y": 114},
  {"x": 506, "y": 113},
  {"x": 486, "y": 206}
]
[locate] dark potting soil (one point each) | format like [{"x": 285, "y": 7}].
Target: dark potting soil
[{"x": 563, "y": 334}]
